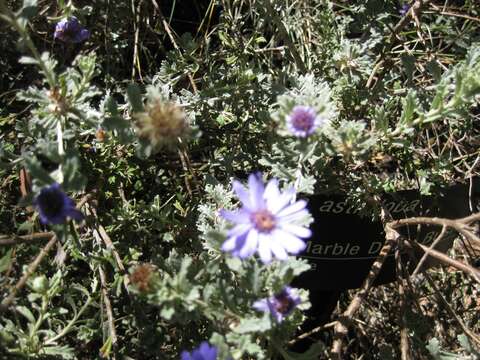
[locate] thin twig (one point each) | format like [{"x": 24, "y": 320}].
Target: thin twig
[
  {"x": 460, "y": 225},
  {"x": 136, "y": 26},
  {"x": 341, "y": 329},
  {"x": 16, "y": 240},
  {"x": 168, "y": 30},
  {"x": 108, "y": 307},
  {"x": 181, "y": 154},
  {"x": 449, "y": 13},
  {"x": 6, "y": 302},
  {"x": 452, "y": 313},
  {"x": 404, "y": 339},
  {"x": 449, "y": 261},
  {"x": 312, "y": 332},
  {"x": 285, "y": 37},
  {"x": 277, "y": 48},
  {"x": 425, "y": 255},
  {"x": 101, "y": 235},
  {"x": 413, "y": 12}
]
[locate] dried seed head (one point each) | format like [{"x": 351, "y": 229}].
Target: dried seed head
[
  {"x": 142, "y": 276},
  {"x": 100, "y": 135},
  {"x": 59, "y": 105},
  {"x": 162, "y": 124}
]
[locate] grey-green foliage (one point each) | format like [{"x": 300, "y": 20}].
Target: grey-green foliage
[
  {"x": 437, "y": 353},
  {"x": 307, "y": 90},
  {"x": 63, "y": 114},
  {"x": 454, "y": 94},
  {"x": 69, "y": 101},
  {"x": 351, "y": 59},
  {"x": 350, "y": 140},
  {"x": 186, "y": 290},
  {"x": 38, "y": 337}
]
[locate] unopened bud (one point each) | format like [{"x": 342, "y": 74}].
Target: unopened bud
[{"x": 40, "y": 284}]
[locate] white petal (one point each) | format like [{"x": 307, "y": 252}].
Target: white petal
[
  {"x": 229, "y": 244},
  {"x": 237, "y": 217},
  {"x": 256, "y": 188},
  {"x": 278, "y": 250},
  {"x": 264, "y": 248},
  {"x": 271, "y": 190},
  {"x": 239, "y": 230},
  {"x": 291, "y": 243},
  {"x": 297, "y": 206},
  {"x": 250, "y": 244},
  {"x": 296, "y": 216},
  {"x": 242, "y": 194},
  {"x": 296, "y": 230},
  {"x": 261, "y": 305},
  {"x": 276, "y": 205}
]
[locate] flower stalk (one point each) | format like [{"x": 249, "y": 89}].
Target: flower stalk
[{"x": 10, "y": 18}]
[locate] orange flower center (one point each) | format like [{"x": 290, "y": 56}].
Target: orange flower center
[{"x": 263, "y": 220}]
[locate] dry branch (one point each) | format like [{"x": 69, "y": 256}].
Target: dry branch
[
  {"x": 108, "y": 307},
  {"x": 101, "y": 236},
  {"x": 413, "y": 12},
  {"x": 16, "y": 240},
  {"x": 341, "y": 328},
  {"x": 6, "y": 302},
  {"x": 463, "y": 226}
]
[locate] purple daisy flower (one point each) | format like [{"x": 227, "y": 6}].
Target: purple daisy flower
[
  {"x": 70, "y": 31},
  {"x": 267, "y": 222},
  {"x": 203, "y": 352},
  {"x": 303, "y": 121},
  {"x": 404, "y": 9},
  {"x": 54, "y": 206},
  {"x": 280, "y": 305}
]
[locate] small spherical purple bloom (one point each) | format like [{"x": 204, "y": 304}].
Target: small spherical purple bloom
[
  {"x": 280, "y": 305},
  {"x": 404, "y": 9},
  {"x": 70, "y": 31},
  {"x": 303, "y": 121},
  {"x": 54, "y": 206},
  {"x": 203, "y": 352},
  {"x": 267, "y": 222}
]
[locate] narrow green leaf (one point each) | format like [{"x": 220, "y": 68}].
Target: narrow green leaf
[
  {"x": 64, "y": 352},
  {"x": 37, "y": 172},
  {"x": 409, "y": 107},
  {"x": 26, "y": 313},
  {"x": 135, "y": 97},
  {"x": 28, "y": 60},
  {"x": 6, "y": 260},
  {"x": 249, "y": 325}
]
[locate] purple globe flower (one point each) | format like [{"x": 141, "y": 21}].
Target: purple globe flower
[
  {"x": 267, "y": 222},
  {"x": 203, "y": 352},
  {"x": 404, "y": 9},
  {"x": 303, "y": 121},
  {"x": 70, "y": 31},
  {"x": 54, "y": 206},
  {"x": 280, "y": 305}
]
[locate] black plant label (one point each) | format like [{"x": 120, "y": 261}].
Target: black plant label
[{"x": 345, "y": 242}]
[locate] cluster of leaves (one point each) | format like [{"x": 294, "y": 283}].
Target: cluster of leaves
[{"x": 399, "y": 112}]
